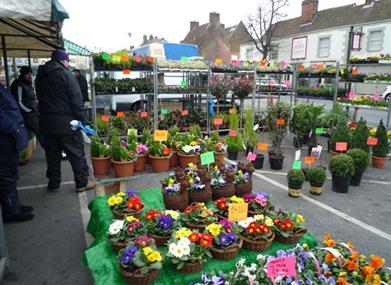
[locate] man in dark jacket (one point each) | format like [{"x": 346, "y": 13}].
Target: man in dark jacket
[
  {"x": 11, "y": 122},
  {"x": 23, "y": 91},
  {"x": 82, "y": 84},
  {"x": 60, "y": 102}
]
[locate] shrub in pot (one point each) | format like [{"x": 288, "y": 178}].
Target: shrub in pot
[
  {"x": 122, "y": 158},
  {"x": 361, "y": 161},
  {"x": 342, "y": 169},
  {"x": 316, "y": 177},
  {"x": 360, "y": 136},
  {"x": 100, "y": 156},
  {"x": 295, "y": 182},
  {"x": 234, "y": 143},
  {"x": 340, "y": 134},
  {"x": 380, "y": 151}
]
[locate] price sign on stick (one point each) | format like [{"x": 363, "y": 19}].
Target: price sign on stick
[
  {"x": 282, "y": 267},
  {"x": 237, "y": 212},
  {"x": 251, "y": 156},
  {"x": 126, "y": 71},
  {"x": 207, "y": 158},
  {"x": 164, "y": 111},
  {"x": 185, "y": 113},
  {"x": 233, "y": 133},
  {"x": 297, "y": 155},
  {"x": 120, "y": 114},
  {"x": 183, "y": 83},
  {"x": 262, "y": 146},
  {"x": 309, "y": 160},
  {"x": 280, "y": 122},
  {"x": 372, "y": 141},
  {"x": 144, "y": 114},
  {"x": 184, "y": 58},
  {"x": 132, "y": 132},
  {"x": 319, "y": 131},
  {"x": 218, "y": 121},
  {"x": 105, "y": 118},
  {"x": 218, "y": 61},
  {"x": 296, "y": 164},
  {"x": 160, "y": 135},
  {"x": 341, "y": 146}
]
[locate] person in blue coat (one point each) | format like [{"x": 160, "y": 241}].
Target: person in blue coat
[{"x": 13, "y": 138}]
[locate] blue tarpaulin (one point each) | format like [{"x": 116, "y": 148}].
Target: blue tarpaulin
[{"x": 176, "y": 51}]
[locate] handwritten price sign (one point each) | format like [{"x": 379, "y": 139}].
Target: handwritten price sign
[
  {"x": 280, "y": 122},
  {"x": 144, "y": 114},
  {"x": 341, "y": 146},
  {"x": 120, "y": 114},
  {"x": 262, "y": 146},
  {"x": 251, "y": 156},
  {"x": 185, "y": 113},
  {"x": 282, "y": 267},
  {"x": 160, "y": 135},
  {"x": 207, "y": 158},
  {"x": 372, "y": 141},
  {"x": 233, "y": 133},
  {"x": 218, "y": 121},
  {"x": 237, "y": 212}
]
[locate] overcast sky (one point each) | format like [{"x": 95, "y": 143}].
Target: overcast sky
[{"x": 104, "y": 25}]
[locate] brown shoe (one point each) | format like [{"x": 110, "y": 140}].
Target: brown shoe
[{"x": 90, "y": 185}]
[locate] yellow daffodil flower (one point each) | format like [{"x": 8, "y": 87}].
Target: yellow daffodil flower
[
  {"x": 155, "y": 257},
  {"x": 214, "y": 229},
  {"x": 147, "y": 250}
]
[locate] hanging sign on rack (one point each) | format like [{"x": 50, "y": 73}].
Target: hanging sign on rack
[
  {"x": 288, "y": 83},
  {"x": 185, "y": 112},
  {"x": 234, "y": 62},
  {"x": 120, "y": 114},
  {"x": 218, "y": 61},
  {"x": 144, "y": 114},
  {"x": 160, "y": 135},
  {"x": 137, "y": 58},
  {"x": 319, "y": 131},
  {"x": 105, "y": 118},
  {"x": 164, "y": 111},
  {"x": 183, "y": 83},
  {"x": 233, "y": 133},
  {"x": 218, "y": 121},
  {"x": 126, "y": 71},
  {"x": 184, "y": 59},
  {"x": 262, "y": 146},
  {"x": 105, "y": 56},
  {"x": 124, "y": 57},
  {"x": 280, "y": 122},
  {"x": 282, "y": 64}
]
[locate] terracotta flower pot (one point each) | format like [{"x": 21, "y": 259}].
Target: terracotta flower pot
[
  {"x": 176, "y": 202},
  {"x": 378, "y": 162},
  {"x": 160, "y": 240},
  {"x": 174, "y": 159},
  {"x": 159, "y": 164},
  {"x": 184, "y": 160},
  {"x": 219, "y": 157},
  {"x": 121, "y": 215},
  {"x": 101, "y": 166},
  {"x": 225, "y": 191},
  {"x": 202, "y": 196},
  {"x": 191, "y": 267},
  {"x": 226, "y": 254},
  {"x": 135, "y": 277},
  {"x": 292, "y": 238},
  {"x": 244, "y": 188},
  {"x": 139, "y": 164},
  {"x": 257, "y": 245},
  {"x": 123, "y": 168}
]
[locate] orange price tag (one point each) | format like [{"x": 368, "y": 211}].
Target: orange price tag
[
  {"x": 218, "y": 61},
  {"x": 372, "y": 141},
  {"x": 105, "y": 118},
  {"x": 160, "y": 135},
  {"x": 301, "y": 67},
  {"x": 126, "y": 71},
  {"x": 280, "y": 122},
  {"x": 262, "y": 146},
  {"x": 124, "y": 57},
  {"x": 185, "y": 112},
  {"x": 120, "y": 114},
  {"x": 354, "y": 71},
  {"x": 218, "y": 121},
  {"x": 341, "y": 146},
  {"x": 309, "y": 160},
  {"x": 237, "y": 212},
  {"x": 144, "y": 114}
]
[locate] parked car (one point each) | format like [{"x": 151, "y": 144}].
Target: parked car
[{"x": 387, "y": 93}]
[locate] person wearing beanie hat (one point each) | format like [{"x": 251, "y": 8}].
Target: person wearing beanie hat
[
  {"x": 59, "y": 103},
  {"x": 23, "y": 90}
]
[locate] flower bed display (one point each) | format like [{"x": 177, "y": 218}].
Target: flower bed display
[
  {"x": 198, "y": 216},
  {"x": 367, "y": 101},
  {"x": 123, "y": 204},
  {"x": 161, "y": 224}
]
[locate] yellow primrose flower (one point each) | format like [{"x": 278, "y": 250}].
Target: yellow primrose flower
[
  {"x": 147, "y": 250},
  {"x": 341, "y": 274},
  {"x": 300, "y": 219},
  {"x": 131, "y": 219},
  {"x": 191, "y": 180},
  {"x": 214, "y": 229},
  {"x": 154, "y": 257},
  {"x": 171, "y": 181},
  {"x": 183, "y": 232},
  {"x": 173, "y": 214},
  {"x": 216, "y": 167},
  {"x": 389, "y": 133},
  {"x": 193, "y": 143},
  {"x": 372, "y": 131},
  {"x": 121, "y": 194},
  {"x": 236, "y": 199},
  {"x": 111, "y": 201},
  {"x": 118, "y": 200},
  {"x": 259, "y": 217},
  {"x": 362, "y": 257},
  {"x": 269, "y": 222},
  {"x": 240, "y": 172}
]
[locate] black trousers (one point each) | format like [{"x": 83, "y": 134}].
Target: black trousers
[
  {"x": 73, "y": 147},
  {"x": 8, "y": 175},
  {"x": 32, "y": 123}
]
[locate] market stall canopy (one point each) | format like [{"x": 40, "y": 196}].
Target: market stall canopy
[
  {"x": 31, "y": 25},
  {"x": 75, "y": 49}
]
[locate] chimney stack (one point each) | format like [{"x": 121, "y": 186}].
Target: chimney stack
[
  {"x": 309, "y": 9},
  {"x": 194, "y": 24},
  {"x": 145, "y": 38},
  {"x": 150, "y": 37},
  {"x": 214, "y": 18},
  {"x": 368, "y": 2}
]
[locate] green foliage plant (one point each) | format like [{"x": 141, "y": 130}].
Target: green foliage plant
[
  {"x": 342, "y": 165},
  {"x": 382, "y": 148}
]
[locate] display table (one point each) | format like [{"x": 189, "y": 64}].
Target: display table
[{"x": 101, "y": 258}]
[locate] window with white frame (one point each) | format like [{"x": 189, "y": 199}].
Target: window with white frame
[
  {"x": 324, "y": 47},
  {"x": 249, "y": 53},
  {"x": 375, "y": 41}
]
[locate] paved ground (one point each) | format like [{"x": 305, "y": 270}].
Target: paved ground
[{"x": 47, "y": 250}]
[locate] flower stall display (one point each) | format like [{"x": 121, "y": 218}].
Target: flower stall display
[
  {"x": 198, "y": 186},
  {"x": 258, "y": 204},
  {"x": 161, "y": 224},
  {"x": 100, "y": 156},
  {"x": 123, "y": 204},
  {"x": 257, "y": 233},
  {"x": 142, "y": 152},
  {"x": 175, "y": 195},
  {"x": 121, "y": 232},
  {"x": 220, "y": 206},
  {"x": 197, "y": 216},
  {"x": 188, "y": 250},
  {"x": 159, "y": 155},
  {"x": 226, "y": 242},
  {"x": 122, "y": 157},
  {"x": 140, "y": 262},
  {"x": 289, "y": 227},
  {"x": 188, "y": 150},
  {"x": 222, "y": 181}
]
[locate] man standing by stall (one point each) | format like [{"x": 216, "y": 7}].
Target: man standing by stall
[{"x": 60, "y": 102}]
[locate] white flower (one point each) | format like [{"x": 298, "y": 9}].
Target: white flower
[
  {"x": 260, "y": 257},
  {"x": 172, "y": 247},
  {"x": 186, "y": 250},
  {"x": 173, "y": 214},
  {"x": 240, "y": 263},
  {"x": 221, "y": 181},
  {"x": 245, "y": 223},
  {"x": 259, "y": 217},
  {"x": 196, "y": 148},
  {"x": 116, "y": 227},
  {"x": 187, "y": 148},
  {"x": 184, "y": 242}
]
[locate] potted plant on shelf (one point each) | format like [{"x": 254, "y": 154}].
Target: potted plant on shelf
[
  {"x": 380, "y": 151},
  {"x": 189, "y": 250},
  {"x": 222, "y": 182},
  {"x": 172, "y": 143},
  {"x": 100, "y": 156},
  {"x": 249, "y": 134},
  {"x": 175, "y": 195},
  {"x": 123, "y": 204},
  {"x": 161, "y": 224},
  {"x": 226, "y": 242},
  {"x": 121, "y": 232},
  {"x": 142, "y": 152},
  {"x": 198, "y": 186},
  {"x": 361, "y": 162},
  {"x": 242, "y": 87},
  {"x": 256, "y": 233},
  {"x": 276, "y": 121},
  {"x": 316, "y": 177},
  {"x": 289, "y": 227},
  {"x": 360, "y": 136},
  {"x": 159, "y": 155},
  {"x": 295, "y": 182},
  {"x": 342, "y": 169},
  {"x": 258, "y": 204},
  {"x": 140, "y": 264},
  {"x": 219, "y": 148},
  {"x": 233, "y": 140},
  {"x": 122, "y": 158},
  {"x": 197, "y": 216},
  {"x": 340, "y": 134},
  {"x": 219, "y": 87},
  {"x": 189, "y": 150}
]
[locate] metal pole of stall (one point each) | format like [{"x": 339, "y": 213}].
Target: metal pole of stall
[
  {"x": 155, "y": 96},
  {"x": 292, "y": 86},
  {"x": 388, "y": 114},
  {"x": 336, "y": 84},
  {"x": 5, "y": 60},
  {"x": 255, "y": 88},
  {"x": 93, "y": 95},
  {"x": 29, "y": 57},
  {"x": 207, "y": 102}
]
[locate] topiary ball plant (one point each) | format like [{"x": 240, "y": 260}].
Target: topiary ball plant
[
  {"x": 295, "y": 178},
  {"x": 342, "y": 165},
  {"x": 316, "y": 176},
  {"x": 360, "y": 159},
  {"x": 381, "y": 149}
]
